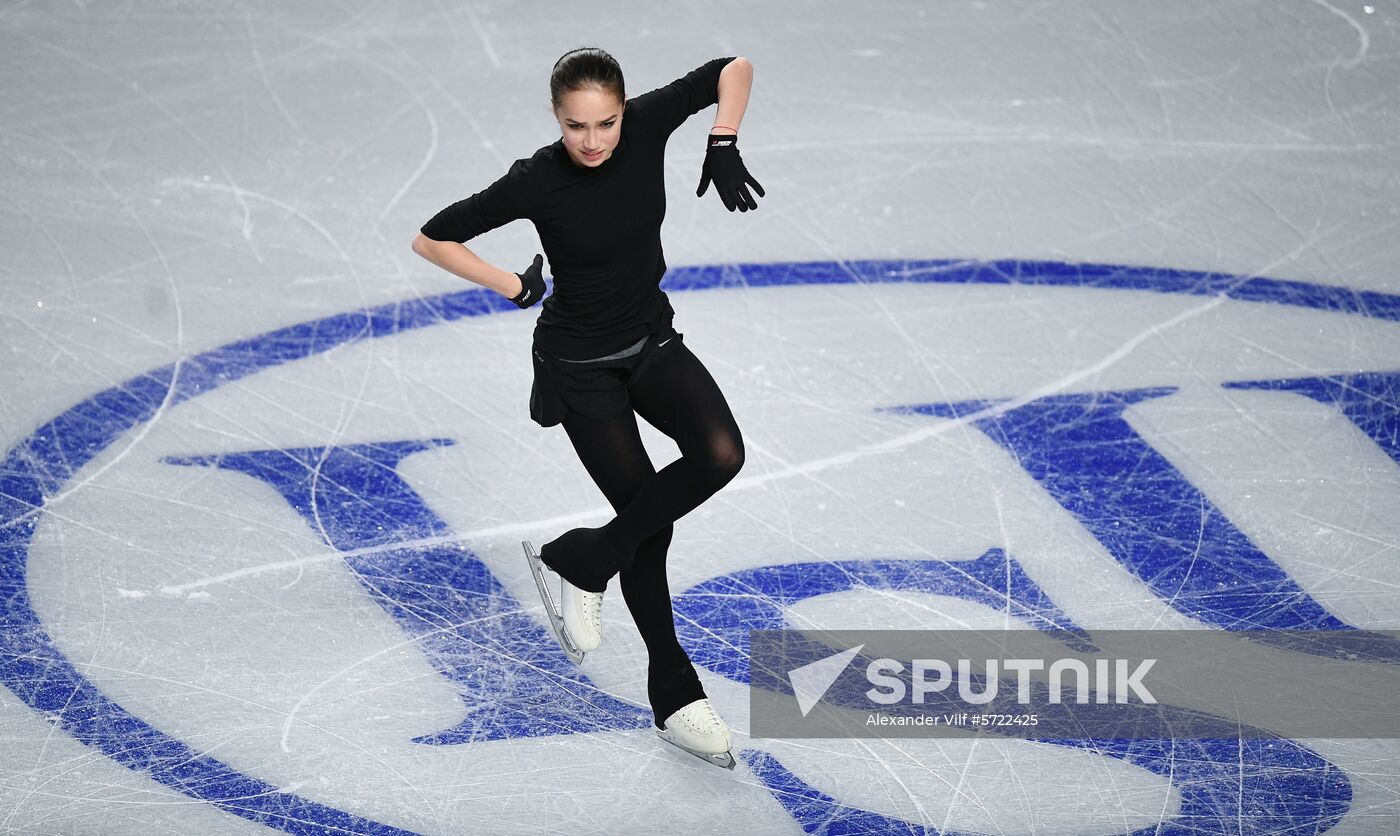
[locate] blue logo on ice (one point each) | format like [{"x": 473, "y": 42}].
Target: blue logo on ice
[{"x": 374, "y": 518}]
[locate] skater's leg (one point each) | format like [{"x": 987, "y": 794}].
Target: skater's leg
[
  {"x": 680, "y": 398},
  {"x": 671, "y": 679},
  {"x": 613, "y": 454}
]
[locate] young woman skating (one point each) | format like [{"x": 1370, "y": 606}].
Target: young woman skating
[{"x": 605, "y": 349}]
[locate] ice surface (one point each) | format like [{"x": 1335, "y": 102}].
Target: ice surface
[{"x": 255, "y": 571}]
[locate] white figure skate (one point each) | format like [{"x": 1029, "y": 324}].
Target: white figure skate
[
  {"x": 698, "y": 730},
  {"x": 575, "y": 616}
]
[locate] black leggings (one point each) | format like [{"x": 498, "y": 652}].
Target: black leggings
[{"x": 677, "y": 395}]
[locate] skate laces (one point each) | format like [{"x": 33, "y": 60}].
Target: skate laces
[
  {"x": 699, "y": 717},
  {"x": 583, "y": 615},
  {"x": 591, "y": 608}
]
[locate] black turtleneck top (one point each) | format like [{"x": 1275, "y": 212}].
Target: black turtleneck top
[{"x": 600, "y": 227}]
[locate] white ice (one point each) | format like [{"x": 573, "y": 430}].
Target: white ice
[{"x": 180, "y": 176}]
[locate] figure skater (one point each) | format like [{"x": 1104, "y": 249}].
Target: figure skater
[{"x": 605, "y": 349}]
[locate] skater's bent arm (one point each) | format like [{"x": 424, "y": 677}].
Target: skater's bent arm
[
  {"x": 456, "y": 259},
  {"x": 735, "y": 81}
]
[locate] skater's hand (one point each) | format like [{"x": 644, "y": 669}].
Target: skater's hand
[
  {"x": 732, "y": 180},
  {"x": 531, "y": 284}
]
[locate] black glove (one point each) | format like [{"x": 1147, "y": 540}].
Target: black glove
[
  {"x": 531, "y": 284},
  {"x": 732, "y": 180}
]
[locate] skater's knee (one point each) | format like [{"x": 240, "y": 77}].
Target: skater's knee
[{"x": 725, "y": 458}]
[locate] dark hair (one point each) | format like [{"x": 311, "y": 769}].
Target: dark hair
[{"x": 584, "y": 68}]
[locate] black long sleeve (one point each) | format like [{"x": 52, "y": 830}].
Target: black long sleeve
[{"x": 600, "y": 227}]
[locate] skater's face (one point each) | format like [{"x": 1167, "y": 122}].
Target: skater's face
[{"x": 591, "y": 122}]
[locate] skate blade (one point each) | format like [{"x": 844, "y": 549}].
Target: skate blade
[
  {"x": 724, "y": 760},
  {"x": 551, "y": 605}
]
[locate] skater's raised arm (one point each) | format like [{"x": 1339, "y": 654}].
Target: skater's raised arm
[
  {"x": 735, "y": 82},
  {"x": 723, "y": 165},
  {"x": 666, "y": 108}
]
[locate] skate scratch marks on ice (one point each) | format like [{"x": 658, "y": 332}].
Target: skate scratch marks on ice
[
  {"x": 1363, "y": 37},
  {"x": 1055, "y": 387},
  {"x": 509, "y": 529}
]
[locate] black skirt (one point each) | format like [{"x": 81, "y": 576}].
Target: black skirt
[{"x": 595, "y": 388}]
